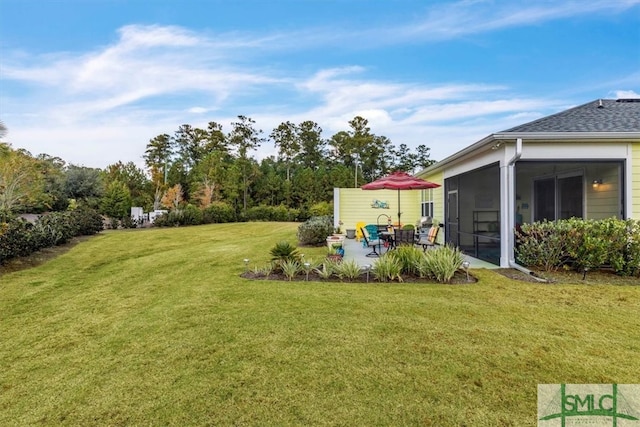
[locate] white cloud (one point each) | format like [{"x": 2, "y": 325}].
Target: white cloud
[
  {"x": 97, "y": 107},
  {"x": 626, "y": 94}
]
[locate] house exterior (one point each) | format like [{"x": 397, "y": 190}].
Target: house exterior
[
  {"x": 354, "y": 205},
  {"x": 583, "y": 162}
]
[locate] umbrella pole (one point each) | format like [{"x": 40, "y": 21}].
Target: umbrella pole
[{"x": 399, "y": 224}]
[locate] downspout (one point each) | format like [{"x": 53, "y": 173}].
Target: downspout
[{"x": 511, "y": 214}]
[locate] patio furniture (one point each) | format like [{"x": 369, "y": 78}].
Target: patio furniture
[
  {"x": 371, "y": 243},
  {"x": 404, "y": 237},
  {"x": 430, "y": 239}
]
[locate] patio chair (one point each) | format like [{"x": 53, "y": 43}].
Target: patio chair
[
  {"x": 371, "y": 243},
  {"x": 429, "y": 240},
  {"x": 403, "y": 237},
  {"x": 372, "y": 229}
]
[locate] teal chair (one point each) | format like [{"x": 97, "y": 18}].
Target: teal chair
[
  {"x": 372, "y": 229},
  {"x": 370, "y": 242}
]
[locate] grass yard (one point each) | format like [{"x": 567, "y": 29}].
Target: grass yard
[{"x": 156, "y": 327}]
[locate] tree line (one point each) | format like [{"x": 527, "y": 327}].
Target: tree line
[{"x": 200, "y": 166}]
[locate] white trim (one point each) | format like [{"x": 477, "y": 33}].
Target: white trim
[
  {"x": 336, "y": 207},
  {"x": 627, "y": 167},
  {"x": 548, "y": 137}
]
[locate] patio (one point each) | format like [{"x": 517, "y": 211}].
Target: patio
[{"x": 353, "y": 250}]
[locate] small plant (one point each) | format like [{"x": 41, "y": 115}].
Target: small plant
[
  {"x": 282, "y": 252},
  {"x": 387, "y": 269},
  {"x": 349, "y": 270},
  {"x": 290, "y": 268},
  {"x": 408, "y": 256},
  {"x": 326, "y": 269},
  {"x": 264, "y": 271},
  {"x": 442, "y": 263}
]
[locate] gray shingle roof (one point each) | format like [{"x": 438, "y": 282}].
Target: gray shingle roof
[{"x": 606, "y": 115}]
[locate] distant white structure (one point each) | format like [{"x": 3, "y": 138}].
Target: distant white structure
[
  {"x": 158, "y": 212},
  {"x": 140, "y": 217}
]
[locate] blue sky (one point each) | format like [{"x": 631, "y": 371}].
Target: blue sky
[{"x": 92, "y": 81}]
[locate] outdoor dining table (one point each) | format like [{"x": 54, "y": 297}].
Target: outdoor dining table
[{"x": 388, "y": 237}]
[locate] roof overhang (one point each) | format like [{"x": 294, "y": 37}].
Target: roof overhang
[{"x": 490, "y": 141}]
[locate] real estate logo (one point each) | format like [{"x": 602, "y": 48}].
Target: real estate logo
[{"x": 611, "y": 405}]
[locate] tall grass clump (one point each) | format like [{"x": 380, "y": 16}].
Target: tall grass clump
[
  {"x": 326, "y": 269},
  {"x": 443, "y": 262},
  {"x": 409, "y": 258},
  {"x": 387, "y": 269},
  {"x": 349, "y": 270},
  {"x": 290, "y": 268}
]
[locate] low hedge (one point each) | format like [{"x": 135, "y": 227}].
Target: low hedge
[
  {"x": 18, "y": 237},
  {"x": 580, "y": 244}
]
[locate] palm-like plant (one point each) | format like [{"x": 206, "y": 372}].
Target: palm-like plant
[{"x": 283, "y": 252}]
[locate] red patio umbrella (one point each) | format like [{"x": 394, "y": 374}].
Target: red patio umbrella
[{"x": 399, "y": 181}]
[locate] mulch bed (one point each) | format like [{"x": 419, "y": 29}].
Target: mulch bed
[{"x": 459, "y": 278}]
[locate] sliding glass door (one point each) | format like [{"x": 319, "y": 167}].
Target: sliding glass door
[{"x": 559, "y": 197}]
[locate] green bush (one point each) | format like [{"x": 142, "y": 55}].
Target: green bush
[
  {"x": 87, "y": 221},
  {"x": 21, "y": 238},
  {"x": 632, "y": 249},
  {"x": 584, "y": 244},
  {"x": 218, "y": 212},
  {"x": 315, "y": 230},
  {"x": 191, "y": 215},
  {"x": 279, "y": 213},
  {"x": 542, "y": 245},
  {"x": 321, "y": 209},
  {"x": 587, "y": 244}
]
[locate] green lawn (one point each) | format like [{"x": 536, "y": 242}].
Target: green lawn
[{"x": 156, "y": 327}]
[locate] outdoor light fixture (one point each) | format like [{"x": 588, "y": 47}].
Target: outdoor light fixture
[
  {"x": 466, "y": 265},
  {"x": 246, "y": 264},
  {"x": 597, "y": 183},
  {"x": 367, "y": 268}
]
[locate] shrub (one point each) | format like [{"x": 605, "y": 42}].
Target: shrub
[
  {"x": 315, "y": 230},
  {"x": 218, "y": 212},
  {"x": 443, "y": 262},
  {"x": 542, "y": 245},
  {"x": 271, "y": 213},
  {"x": 321, "y": 209},
  {"x": 88, "y": 221},
  {"x": 587, "y": 246},
  {"x": 632, "y": 248},
  {"x": 191, "y": 215},
  {"x": 21, "y": 238}
]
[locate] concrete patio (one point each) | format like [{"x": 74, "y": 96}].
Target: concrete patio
[{"x": 353, "y": 250}]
